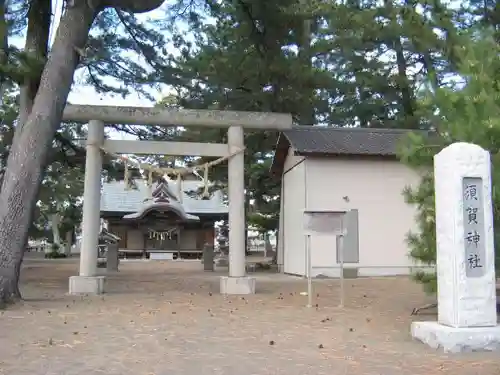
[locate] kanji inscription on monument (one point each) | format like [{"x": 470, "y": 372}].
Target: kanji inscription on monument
[{"x": 474, "y": 241}]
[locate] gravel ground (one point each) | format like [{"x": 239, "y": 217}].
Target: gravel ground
[{"x": 168, "y": 318}]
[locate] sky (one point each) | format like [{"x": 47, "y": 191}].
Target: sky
[
  {"x": 81, "y": 94},
  {"x": 86, "y": 95}
]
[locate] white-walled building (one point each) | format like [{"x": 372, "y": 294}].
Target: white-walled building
[{"x": 341, "y": 169}]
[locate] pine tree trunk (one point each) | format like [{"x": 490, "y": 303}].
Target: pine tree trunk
[
  {"x": 4, "y": 43},
  {"x": 37, "y": 44},
  {"x": 24, "y": 166},
  {"x": 37, "y": 40},
  {"x": 68, "y": 242},
  {"x": 407, "y": 97},
  {"x": 306, "y": 115},
  {"x": 55, "y": 221}
]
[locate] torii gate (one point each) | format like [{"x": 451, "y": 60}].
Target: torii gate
[{"x": 237, "y": 282}]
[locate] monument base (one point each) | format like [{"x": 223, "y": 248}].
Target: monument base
[
  {"x": 456, "y": 340},
  {"x": 86, "y": 285},
  {"x": 237, "y": 285}
]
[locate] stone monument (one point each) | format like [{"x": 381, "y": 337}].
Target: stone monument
[
  {"x": 208, "y": 257},
  {"x": 112, "y": 259},
  {"x": 467, "y": 319}
]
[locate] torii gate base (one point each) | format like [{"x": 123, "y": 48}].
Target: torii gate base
[
  {"x": 88, "y": 282},
  {"x": 237, "y": 285}
]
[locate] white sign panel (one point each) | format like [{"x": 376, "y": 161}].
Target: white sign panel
[{"x": 326, "y": 222}]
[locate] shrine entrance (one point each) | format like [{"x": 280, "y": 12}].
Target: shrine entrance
[
  {"x": 236, "y": 282},
  {"x": 166, "y": 231},
  {"x": 163, "y": 239}
]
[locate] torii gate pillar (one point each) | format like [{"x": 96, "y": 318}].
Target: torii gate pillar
[
  {"x": 87, "y": 282},
  {"x": 236, "y": 282}
]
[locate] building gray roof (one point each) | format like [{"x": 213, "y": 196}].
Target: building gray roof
[
  {"x": 114, "y": 198},
  {"x": 337, "y": 141},
  {"x": 345, "y": 141}
]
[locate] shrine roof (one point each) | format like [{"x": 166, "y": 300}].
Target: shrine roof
[
  {"x": 337, "y": 141},
  {"x": 115, "y": 198}
]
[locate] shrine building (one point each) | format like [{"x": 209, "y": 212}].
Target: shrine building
[{"x": 158, "y": 224}]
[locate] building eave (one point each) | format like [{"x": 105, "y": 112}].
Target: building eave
[
  {"x": 161, "y": 207},
  {"x": 312, "y": 154},
  {"x": 216, "y": 216}
]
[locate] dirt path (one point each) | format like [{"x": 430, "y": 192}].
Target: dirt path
[{"x": 168, "y": 318}]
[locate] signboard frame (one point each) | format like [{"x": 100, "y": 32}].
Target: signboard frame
[{"x": 316, "y": 226}]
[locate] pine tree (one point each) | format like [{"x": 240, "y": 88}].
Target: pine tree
[
  {"x": 467, "y": 112},
  {"x": 45, "y": 89}
]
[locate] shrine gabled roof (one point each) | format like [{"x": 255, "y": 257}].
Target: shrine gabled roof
[
  {"x": 115, "y": 198},
  {"x": 163, "y": 199},
  {"x": 175, "y": 207},
  {"x": 337, "y": 141}
]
